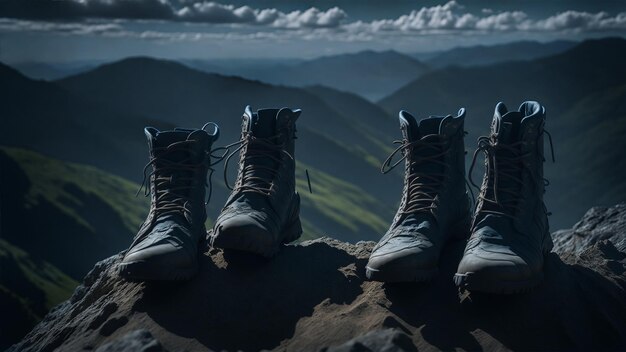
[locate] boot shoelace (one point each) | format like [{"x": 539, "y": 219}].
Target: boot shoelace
[
  {"x": 502, "y": 161},
  {"x": 173, "y": 180},
  {"x": 422, "y": 187},
  {"x": 252, "y": 147}
]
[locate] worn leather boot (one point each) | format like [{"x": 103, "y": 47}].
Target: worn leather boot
[
  {"x": 435, "y": 206},
  {"x": 505, "y": 253},
  {"x": 263, "y": 210},
  {"x": 166, "y": 247}
]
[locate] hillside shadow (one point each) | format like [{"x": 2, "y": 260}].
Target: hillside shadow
[
  {"x": 257, "y": 303},
  {"x": 574, "y": 308}
]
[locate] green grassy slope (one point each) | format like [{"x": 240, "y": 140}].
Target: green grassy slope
[
  {"x": 336, "y": 203},
  {"x": 51, "y": 208},
  {"x": 28, "y": 289},
  {"x": 49, "y": 179}
]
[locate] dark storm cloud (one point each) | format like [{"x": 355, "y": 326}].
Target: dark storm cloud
[
  {"x": 74, "y": 9},
  {"x": 200, "y": 11}
]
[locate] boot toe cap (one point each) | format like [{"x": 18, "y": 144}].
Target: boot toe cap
[
  {"x": 507, "y": 267},
  {"x": 162, "y": 255},
  {"x": 402, "y": 264},
  {"x": 243, "y": 232},
  {"x": 161, "y": 262},
  {"x": 478, "y": 271}
]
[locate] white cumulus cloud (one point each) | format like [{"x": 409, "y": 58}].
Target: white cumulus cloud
[{"x": 213, "y": 12}]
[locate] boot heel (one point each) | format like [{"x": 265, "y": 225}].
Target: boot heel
[
  {"x": 548, "y": 243},
  {"x": 293, "y": 231}
]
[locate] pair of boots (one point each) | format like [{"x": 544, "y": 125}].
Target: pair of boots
[
  {"x": 261, "y": 213},
  {"x": 509, "y": 227}
]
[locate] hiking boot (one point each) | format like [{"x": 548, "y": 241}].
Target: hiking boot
[
  {"x": 166, "y": 247},
  {"x": 263, "y": 210},
  {"x": 434, "y": 207},
  {"x": 505, "y": 253}
]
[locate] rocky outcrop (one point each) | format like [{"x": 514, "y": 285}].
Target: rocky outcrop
[
  {"x": 598, "y": 224},
  {"x": 313, "y": 297}
]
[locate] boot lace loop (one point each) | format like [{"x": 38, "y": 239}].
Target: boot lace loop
[
  {"x": 252, "y": 148},
  {"x": 173, "y": 180},
  {"x": 422, "y": 187},
  {"x": 503, "y": 162}
]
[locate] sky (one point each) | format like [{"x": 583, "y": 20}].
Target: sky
[{"x": 60, "y": 31}]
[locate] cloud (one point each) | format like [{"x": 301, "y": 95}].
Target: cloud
[
  {"x": 211, "y": 12},
  {"x": 580, "y": 21},
  {"x": 449, "y": 17},
  {"x": 79, "y": 28},
  {"x": 89, "y": 17},
  {"x": 81, "y": 9},
  {"x": 193, "y": 11},
  {"x": 311, "y": 18},
  {"x": 504, "y": 21}
]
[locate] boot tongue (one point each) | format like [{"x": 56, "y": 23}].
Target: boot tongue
[
  {"x": 164, "y": 139},
  {"x": 261, "y": 124},
  {"x": 264, "y": 123},
  {"x": 429, "y": 126},
  {"x": 201, "y": 139},
  {"x": 508, "y": 127},
  {"x": 159, "y": 141}
]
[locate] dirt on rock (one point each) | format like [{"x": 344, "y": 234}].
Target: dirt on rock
[{"x": 313, "y": 296}]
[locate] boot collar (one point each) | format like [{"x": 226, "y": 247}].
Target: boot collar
[
  {"x": 265, "y": 123},
  {"x": 413, "y": 130},
  {"x": 512, "y": 126}
]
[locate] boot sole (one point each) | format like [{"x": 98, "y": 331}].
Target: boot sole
[
  {"x": 243, "y": 243},
  {"x": 143, "y": 271},
  {"x": 483, "y": 283},
  {"x": 408, "y": 275}
]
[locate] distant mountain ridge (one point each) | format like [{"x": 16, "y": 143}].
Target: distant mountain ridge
[
  {"x": 481, "y": 55},
  {"x": 52, "y": 71},
  {"x": 370, "y": 74}
]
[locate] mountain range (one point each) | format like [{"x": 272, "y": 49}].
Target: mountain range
[
  {"x": 370, "y": 74},
  {"x": 75, "y": 142},
  {"x": 481, "y": 55}
]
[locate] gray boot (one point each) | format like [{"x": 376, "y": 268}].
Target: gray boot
[
  {"x": 434, "y": 207},
  {"x": 166, "y": 247},
  {"x": 510, "y": 236},
  {"x": 263, "y": 210}
]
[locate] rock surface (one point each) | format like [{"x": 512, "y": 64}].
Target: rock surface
[
  {"x": 313, "y": 297},
  {"x": 598, "y": 224},
  {"x": 135, "y": 341},
  {"x": 387, "y": 340}
]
